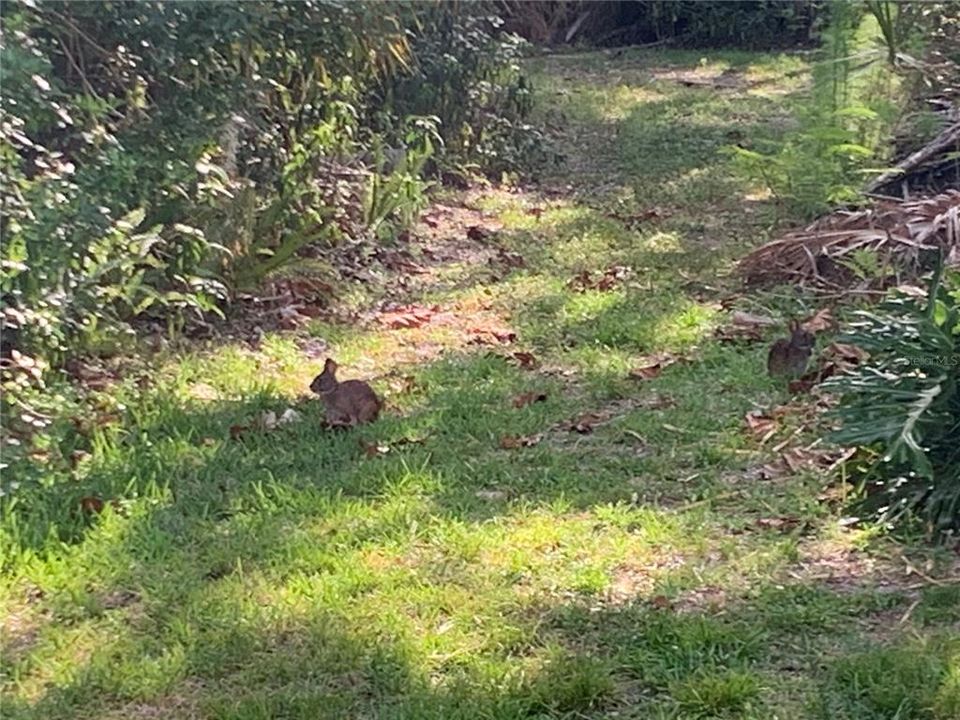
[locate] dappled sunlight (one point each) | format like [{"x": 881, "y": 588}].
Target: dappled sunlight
[
  {"x": 589, "y": 305},
  {"x": 662, "y": 242},
  {"x": 557, "y": 514},
  {"x": 758, "y": 195},
  {"x": 686, "y": 326},
  {"x": 623, "y": 98}
]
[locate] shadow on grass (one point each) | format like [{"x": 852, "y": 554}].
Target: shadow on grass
[
  {"x": 292, "y": 574},
  {"x": 207, "y": 633}
]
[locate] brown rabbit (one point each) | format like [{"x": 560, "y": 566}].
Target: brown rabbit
[
  {"x": 789, "y": 358},
  {"x": 347, "y": 403}
]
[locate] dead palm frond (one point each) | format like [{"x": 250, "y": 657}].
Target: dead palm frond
[{"x": 897, "y": 232}]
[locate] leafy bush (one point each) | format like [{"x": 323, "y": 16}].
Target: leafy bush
[
  {"x": 467, "y": 74},
  {"x": 844, "y": 123},
  {"x": 158, "y": 156},
  {"x": 903, "y": 406}
]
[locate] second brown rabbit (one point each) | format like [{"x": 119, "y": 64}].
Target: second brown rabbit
[
  {"x": 789, "y": 357},
  {"x": 346, "y": 403}
]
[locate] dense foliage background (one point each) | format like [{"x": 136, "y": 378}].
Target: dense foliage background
[
  {"x": 158, "y": 156},
  {"x": 696, "y": 23}
]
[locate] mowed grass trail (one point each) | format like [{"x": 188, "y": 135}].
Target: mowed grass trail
[{"x": 620, "y": 545}]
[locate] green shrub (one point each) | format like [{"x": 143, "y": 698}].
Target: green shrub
[
  {"x": 468, "y": 75},
  {"x": 159, "y": 156},
  {"x": 902, "y": 407},
  {"x": 845, "y": 123}
]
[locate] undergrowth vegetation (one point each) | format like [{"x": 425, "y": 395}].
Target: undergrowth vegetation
[
  {"x": 843, "y": 130},
  {"x": 160, "y": 156},
  {"x": 533, "y": 528},
  {"x": 903, "y": 406}
]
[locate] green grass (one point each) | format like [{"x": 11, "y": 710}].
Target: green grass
[{"x": 619, "y": 573}]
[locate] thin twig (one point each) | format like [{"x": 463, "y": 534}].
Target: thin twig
[
  {"x": 80, "y": 73},
  {"x": 76, "y": 29},
  {"x": 909, "y": 612},
  {"x": 781, "y": 445}
]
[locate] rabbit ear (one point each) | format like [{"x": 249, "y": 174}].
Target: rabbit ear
[
  {"x": 330, "y": 366},
  {"x": 794, "y": 325}
]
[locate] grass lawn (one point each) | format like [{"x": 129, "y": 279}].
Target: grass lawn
[{"x": 620, "y": 547}]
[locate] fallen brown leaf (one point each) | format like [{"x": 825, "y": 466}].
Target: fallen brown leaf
[
  {"x": 636, "y": 218},
  {"x": 94, "y": 377},
  {"x": 512, "y": 442},
  {"x": 661, "y": 602},
  {"x": 491, "y": 336},
  {"x": 528, "y": 398},
  {"x": 311, "y": 311},
  {"x": 398, "y": 317},
  {"x": 835, "y": 359},
  {"x": 398, "y": 260},
  {"x": 819, "y": 321},
  {"x": 745, "y": 319},
  {"x": 411, "y": 440},
  {"x": 301, "y": 289},
  {"x": 658, "y": 402},
  {"x": 119, "y": 598},
  {"x": 314, "y": 348},
  {"x": 647, "y": 372},
  {"x": 845, "y": 355},
  {"x": 373, "y": 449},
  {"x": 651, "y": 366},
  {"x": 290, "y": 318},
  {"x": 769, "y": 471},
  {"x": 612, "y": 277},
  {"x": 79, "y": 456},
  {"x": 585, "y": 423},
  {"x": 792, "y": 408},
  {"x": 607, "y": 280},
  {"x": 758, "y": 423},
  {"x": 778, "y": 523},
  {"x": 525, "y": 360},
  {"x": 804, "y": 384},
  {"x": 738, "y": 334},
  {"x": 478, "y": 233},
  {"x": 509, "y": 258},
  {"x": 403, "y": 384},
  {"x": 581, "y": 281}
]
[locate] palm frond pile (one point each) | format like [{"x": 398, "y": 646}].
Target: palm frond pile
[{"x": 830, "y": 252}]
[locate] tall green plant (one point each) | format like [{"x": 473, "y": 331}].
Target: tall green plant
[
  {"x": 902, "y": 407},
  {"x": 466, "y": 73},
  {"x": 888, "y": 17},
  {"x": 844, "y": 122}
]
